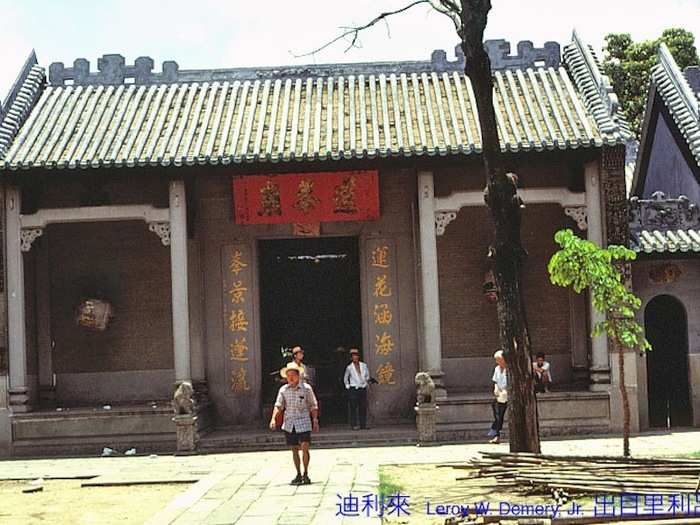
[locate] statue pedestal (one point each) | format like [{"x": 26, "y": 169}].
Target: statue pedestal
[
  {"x": 187, "y": 436},
  {"x": 426, "y": 422}
]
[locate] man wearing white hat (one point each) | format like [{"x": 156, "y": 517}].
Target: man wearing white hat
[
  {"x": 308, "y": 373},
  {"x": 300, "y": 407}
]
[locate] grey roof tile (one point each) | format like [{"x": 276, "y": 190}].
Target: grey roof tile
[{"x": 401, "y": 113}]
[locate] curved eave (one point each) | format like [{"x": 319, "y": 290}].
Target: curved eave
[
  {"x": 312, "y": 158},
  {"x": 672, "y": 241}
]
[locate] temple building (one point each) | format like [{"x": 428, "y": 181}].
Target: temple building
[
  {"x": 665, "y": 232},
  {"x": 190, "y": 225}
]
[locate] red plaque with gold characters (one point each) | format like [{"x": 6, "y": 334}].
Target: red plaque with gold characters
[{"x": 306, "y": 198}]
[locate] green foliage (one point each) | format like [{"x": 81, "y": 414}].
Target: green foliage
[
  {"x": 629, "y": 63},
  {"x": 582, "y": 264},
  {"x": 388, "y": 486}
]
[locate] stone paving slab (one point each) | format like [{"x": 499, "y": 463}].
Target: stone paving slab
[
  {"x": 252, "y": 488},
  {"x": 136, "y": 479}
]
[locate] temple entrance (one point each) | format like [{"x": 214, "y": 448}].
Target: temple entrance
[
  {"x": 310, "y": 296},
  {"x": 668, "y": 388}
]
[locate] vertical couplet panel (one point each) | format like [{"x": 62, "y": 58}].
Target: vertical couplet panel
[
  {"x": 384, "y": 346},
  {"x": 241, "y": 367}
]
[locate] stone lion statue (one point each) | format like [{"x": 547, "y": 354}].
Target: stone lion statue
[
  {"x": 183, "y": 399},
  {"x": 425, "y": 388}
]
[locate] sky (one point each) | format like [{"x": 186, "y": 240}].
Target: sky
[{"x": 201, "y": 34}]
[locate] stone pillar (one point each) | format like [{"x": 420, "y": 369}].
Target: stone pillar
[
  {"x": 600, "y": 363},
  {"x": 47, "y": 392},
  {"x": 580, "y": 332},
  {"x": 178, "y": 268},
  {"x": 5, "y": 424},
  {"x": 431, "y": 350},
  {"x": 426, "y": 423},
  {"x": 186, "y": 431},
  {"x": 616, "y": 215},
  {"x": 17, "y": 337}
]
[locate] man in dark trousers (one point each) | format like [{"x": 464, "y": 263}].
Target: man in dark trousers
[
  {"x": 356, "y": 381},
  {"x": 500, "y": 392},
  {"x": 298, "y": 401}
]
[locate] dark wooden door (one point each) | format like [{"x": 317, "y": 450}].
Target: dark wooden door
[{"x": 668, "y": 389}]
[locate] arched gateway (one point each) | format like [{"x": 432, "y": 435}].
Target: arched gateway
[{"x": 666, "y": 326}]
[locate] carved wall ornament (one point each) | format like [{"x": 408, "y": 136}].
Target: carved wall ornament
[
  {"x": 28, "y": 236},
  {"x": 183, "y": 399},
  {"x": 615, "y": 195},
  {"x": 663, "y": 214},
  {"x": 425, "y": 389},
  {"x": 489, "y": 287},
  {"x": 442, "y": 219},
  {"x": 162, "y": 230},
  {"x": 94, "y": 314},
  {"x": 579, "y": 214},
  {"x": 664, "y": 273}
]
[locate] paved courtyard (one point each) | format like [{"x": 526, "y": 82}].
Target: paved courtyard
[{"x": 253, "y": 488}]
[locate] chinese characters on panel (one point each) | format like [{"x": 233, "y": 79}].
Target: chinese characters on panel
[
  {"x": 306, "y": 198},
  {"x": 237, "y": 309},
  {"x": 383, "y": 314}
]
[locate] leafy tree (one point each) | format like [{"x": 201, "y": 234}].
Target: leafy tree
[
  {"x": 582, "y": 264},
  {"x": 629, "y": 63}
]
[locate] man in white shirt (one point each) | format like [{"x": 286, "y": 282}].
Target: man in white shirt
[
  {"x": 500, "y": 392},
  {"x": 356, "y": 380},
  {"x": 542, "y": 374}
]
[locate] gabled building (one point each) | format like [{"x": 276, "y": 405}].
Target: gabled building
[
  {"x": 665, "y": 232},
  {"x": 222, "y": 215}
]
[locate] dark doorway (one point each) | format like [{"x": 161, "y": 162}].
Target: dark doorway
[
  {"x": 310, "y": 296},
  {"x": 668, "y": 388}
]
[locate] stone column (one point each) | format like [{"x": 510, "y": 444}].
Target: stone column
[
  {"x": 47, "y": 393},
  {"x": 17, "y": 337},
  {"x": 616, "y": 216},
  {"x": 600, "y": 363},
  {"x": 426, "y": 422},
  {"x": 431, "y": 350},
  {"x": 186, "y": 433},
  {"x": 178, "y": 268}
]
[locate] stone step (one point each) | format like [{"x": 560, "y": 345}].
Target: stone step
[
  {"x": 232, "y": 440},
  {"x": 93, "y": 445}
]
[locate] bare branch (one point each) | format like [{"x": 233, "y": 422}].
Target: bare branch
[
  {"x": 449, "y": 8},
  {"x": 355, "y": 31}
]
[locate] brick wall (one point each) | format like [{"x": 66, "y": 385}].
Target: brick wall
[
  {"x": 469, "y": 325},
  {"x": 538, "y": 170},
  {"x": 131, "y": 267}
]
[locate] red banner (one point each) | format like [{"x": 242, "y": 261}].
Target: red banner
[{"x": 306, "y": 197}]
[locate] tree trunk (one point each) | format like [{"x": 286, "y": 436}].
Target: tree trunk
[
  {"x": 507, "y": 253},
  {"x": 625, "y": 402}
]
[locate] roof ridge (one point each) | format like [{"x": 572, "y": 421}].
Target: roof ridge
[
  {"x": 678, "y": 97},
  {"x": 112, "y": 69},
  {"x": 599, "y": 97},
  {"x": 681, "y": 84},
  {"x": 19, "y": 102}
]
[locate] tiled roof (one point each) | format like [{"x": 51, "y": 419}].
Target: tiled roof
[
  {"x": 668, "y": 241},
  {"x": 596, "y": 89},
  {"x": 314, "y": 117},
  {"x": 20, "y": 101},
  {"x": 679, "y": 98}
]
